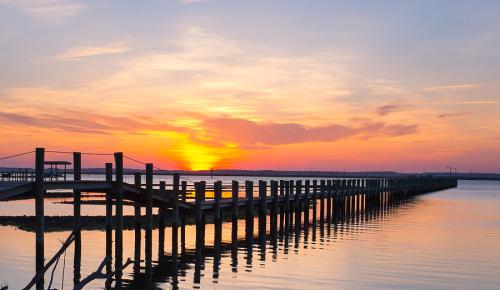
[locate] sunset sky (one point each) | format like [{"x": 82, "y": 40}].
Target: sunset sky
[{"x": 290, "y": 85}]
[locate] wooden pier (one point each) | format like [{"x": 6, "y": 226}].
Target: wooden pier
[{"x": 286, "y": 202}]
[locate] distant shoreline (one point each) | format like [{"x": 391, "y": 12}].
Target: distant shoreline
[{"x": 289, "y": 173}]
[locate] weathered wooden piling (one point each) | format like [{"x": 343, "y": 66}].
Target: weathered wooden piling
[
  {"x": 234, "y": 225},
  {"x": 39, "y": 212},
  {"x": 234, "y": 195},
  {"x": 109, "y": 225},
  {"x": 287, "y": 198},
  {"x": 200, "y": 226},
  {"x": 217, "y": 199},
  {"x": 282, "y": 206},
  {"x": 118, "y": 219},
  {"x": 262, "y": 207},
  {"x": 298, "y": 206},
  {"x": 77, "y": 219},
  {"x": 199, "y": 198},
  {"x": 328, "y": 200},
  {"x": 322, "y": 192},
  {"x": 291, "y": 188},
  {"x": 249, "y": 211},
  {"x": 137, "y": 225},
  {"x": 274, "y": 208},
  {"x": 175, "y": 213},
  {"x": 149, "y": 225},
  {"x": 161, "y": 223},
  {"x": 315, "y": 198},
  {"x": 307, "y": 188},
  {"x": 183, "y": 217}
]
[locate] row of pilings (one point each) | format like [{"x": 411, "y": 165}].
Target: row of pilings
[
  {"x": 282, "y": 209},
  {"x": 293, "y": 199}
]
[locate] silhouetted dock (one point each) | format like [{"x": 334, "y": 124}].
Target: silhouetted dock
[{"x": 285, "y": 201}]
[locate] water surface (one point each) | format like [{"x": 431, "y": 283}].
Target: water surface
[{"x": 443, "y": 240}]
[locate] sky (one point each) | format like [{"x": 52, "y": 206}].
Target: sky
[{"x": 409, "y": 86}]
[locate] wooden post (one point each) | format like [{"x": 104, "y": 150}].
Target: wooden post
[
  {"x": 119, "y": 219},
  {"x": 217, "y": 198},
  {"x": 307, "y": 188},
  {"x": 322, "y": 189},
  {"x": 77, "y": 219},
  {"x": 291, "y": 186},
  {"x": 234, "y": 195},
  {"x": 334, "y": 194},
  {"x": 137, "y": 225},
  {"x": 341, "y": 198},
  {"x": 39, "y": 211},
  {"x": 363, "y": 194},
  {"x": 314, "y": 198},
  {"x": 287, "y": 197},
  {"x": 274, "y": 196},
  {"x": 352, "y": 193},
  {"x": 200, "y": 232},
  {"x": 199, "y": 198},
  {"x": 328, "y": 200},
  {"x": 161, "y": 224},
  {"x": 217, "y": 228},
  {"x": 262, "y": 207},
  {"x": 175, "y": 214},
  {"x": 298, "y": 209},
  {"x": 234, "y": 217},
  {"x": 287, "y": 206},
  {"x": 149, "y": 225},
  {"x": 249, "y": 211},
  {"x": 282, "y": 206},
  {"x": 183, "y": 218},
  {"x": 274, "y": 209},
  {"x": 109, "y": 224}
]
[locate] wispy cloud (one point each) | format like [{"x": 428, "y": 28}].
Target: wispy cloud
[
  {"x": 454, "y": 87},
  {"x": 83, "y": 51},
  {"x": 452, "y": 115},
  {"x": 75, "y": 121},
  {"x": 387, "y": 109},
  {"x": 48, "y": 10}
]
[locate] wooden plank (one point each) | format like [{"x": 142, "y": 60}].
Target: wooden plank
[{"x": 10, "y": 189}]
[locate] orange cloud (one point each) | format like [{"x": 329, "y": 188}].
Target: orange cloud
[{"x": 250, "y": 134}]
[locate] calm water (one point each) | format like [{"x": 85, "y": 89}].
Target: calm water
[{"x": 444, "y": 240}]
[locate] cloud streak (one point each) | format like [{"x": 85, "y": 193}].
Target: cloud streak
[
  {"x": 454, "y": 87},
  {"x": 84, "y": 51},
  {"x": 388, "y": 109},
  {"x": 84, "y": 122},
  {"x": 48, "y": 10}
]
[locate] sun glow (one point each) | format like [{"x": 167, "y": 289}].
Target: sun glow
[{"x": 193, "y": 155}]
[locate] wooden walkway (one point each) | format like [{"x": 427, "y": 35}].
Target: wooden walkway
[{"x": 290, "y": 197}]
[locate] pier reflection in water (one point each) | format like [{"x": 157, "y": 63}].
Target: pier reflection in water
[{"x": 239, "y": 246}]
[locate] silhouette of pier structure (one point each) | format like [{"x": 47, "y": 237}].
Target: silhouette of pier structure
[{"x": 282, "y": 209}]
